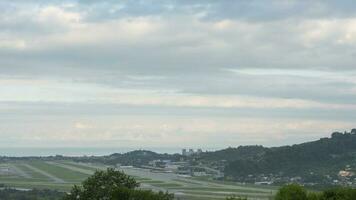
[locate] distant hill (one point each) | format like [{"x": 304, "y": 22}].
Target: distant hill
[
  {"x": 232, "y": 154},
  {"x": 313, "y": 162},
  {"x": 138, "y": 157},
  {"x": 324, "y": 156}
]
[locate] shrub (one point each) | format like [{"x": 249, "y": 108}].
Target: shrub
[{"x": 291, "y": 192}]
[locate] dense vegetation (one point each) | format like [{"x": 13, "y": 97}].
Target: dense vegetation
[
  {"x": 322, "y": 157},
  {"x": 296, "y": 192},
  {"x": 311, "y": 160},
  {"x": 133, "y": 158},
  {"x": 113, "y": 185}
]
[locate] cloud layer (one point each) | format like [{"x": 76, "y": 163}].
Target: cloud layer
[{"x": 74, "y": 71}]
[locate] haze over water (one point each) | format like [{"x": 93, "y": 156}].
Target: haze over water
[{"x": 76, "y": 151}]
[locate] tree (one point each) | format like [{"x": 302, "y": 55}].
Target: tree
[
  {"x": 314, "y": 196},
  {"x": 336, "y": 135},
  {"x": 127, "y": 194},
  {"x": 291, "y": 192},
  {"x": 339, "y": 194},
  {"x": 113, "y": 185}
]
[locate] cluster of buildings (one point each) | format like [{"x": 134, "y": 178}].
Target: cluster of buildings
[
  {"x": 4, "y": 170},
  {"x": 184, "y": 168},
  {"x": 191, "y": 152},
  {"x": 347, "y": 176},
  {"x": 165, "y": 165},
  {"x": 344, "y": 177}
]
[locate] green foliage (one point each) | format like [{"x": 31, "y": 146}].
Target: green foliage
[
  {"x": 113, "y": 185},
  {"x": 311, "y": 161},
  {"x": 339, "y": 194},
  {"x": 291, "y": 192},
  {"x": 128, "y": 194},
  {"x": 296, "y": 192},
  {"x": 325, "y": 156},
  {"x": 232, "y": 154},
  {"x": 135, "y": 158},
  {"x": 102, "y": 184},
  {"x": 314, "y": 196}
]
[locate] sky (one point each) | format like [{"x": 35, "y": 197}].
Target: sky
[{"x": 175, "y": 73}]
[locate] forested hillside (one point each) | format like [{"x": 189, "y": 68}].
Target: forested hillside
[
  {"x": 326, "y": 156},
  {"x": 313, "y": 161}
]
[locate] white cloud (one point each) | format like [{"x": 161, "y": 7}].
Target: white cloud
[
  {"x": 126, "y": 131},
  {"x": 281, "y": 57},
  {"x": 58, "y": 16},
  {"x": 340, "y": 76},
  {"x": 16, "y": 44},
  {"x": 76, "y": 92},
  {"x": 330, "y": 31},
  {"x": 81, "y": 125}
]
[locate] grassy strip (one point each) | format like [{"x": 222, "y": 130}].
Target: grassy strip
[
  {"x": 226, "y": 194},
  {"x": 166, "y": 185},
  {"x": 151, "y": 181},
  {"x": 187, "y": 197},
  {"x": 222, "y": 190},
  {"x": 230, "y": 183},
  {"x": 60, "y": 172},
  {"x": 186, "y": 181},
  {"x": 35, "y": 175},
  {"x": 73, "y": 168},
  {"x": 20, "y": 180},
  {"x": 40, "y": 185},
  {"x": 137, "y": 178},
  {"x": 82, "y": 166}
]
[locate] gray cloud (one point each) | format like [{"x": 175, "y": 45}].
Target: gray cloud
[
  {"x": 246, "y": 10},
  {"x": 87, "y": 58}
]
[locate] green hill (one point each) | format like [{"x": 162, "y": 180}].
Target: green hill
[{"x": 326, "y": 156}]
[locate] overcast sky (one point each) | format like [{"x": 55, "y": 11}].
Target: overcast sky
[{"x": 175, "y": 73}]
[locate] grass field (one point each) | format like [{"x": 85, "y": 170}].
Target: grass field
[
  {"x": 60, "y": 172},
  {"x": 62, "y": 175}
]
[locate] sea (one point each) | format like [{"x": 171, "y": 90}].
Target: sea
[{"x": 75, "y": 151}]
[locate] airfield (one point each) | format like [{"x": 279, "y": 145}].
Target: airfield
[{"x": 62, "y": 175}]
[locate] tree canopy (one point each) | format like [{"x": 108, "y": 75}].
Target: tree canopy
[
  {"x": 296, "y": 192},
  {"x": 113, "y": 185}
]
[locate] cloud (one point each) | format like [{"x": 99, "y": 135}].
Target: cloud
[
  {"x": 280, "y": 59},
  {"x": 17, "y": 90},
  {"x": 253, "y": 10},
  {"x": 171, "y": 131},
  {"x": 81, "y": 125}
]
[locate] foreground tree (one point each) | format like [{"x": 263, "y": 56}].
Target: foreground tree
[
  {"x": 296, "y": 192},
  {"x": 125, "y": 193},
  {"x": 113, "y": 185},
  {"x": 291, "y": 192},
  {"x": 339, "y": 194}
]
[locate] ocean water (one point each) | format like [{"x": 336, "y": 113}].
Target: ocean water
[{"x": 74, "y": 151}]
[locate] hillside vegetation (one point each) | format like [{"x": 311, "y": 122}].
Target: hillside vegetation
[
  {"x": 316, "y": 162},
  {"x": 322, "y": 157}
]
